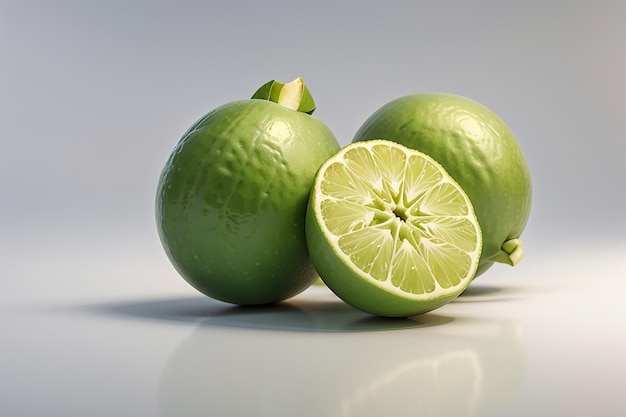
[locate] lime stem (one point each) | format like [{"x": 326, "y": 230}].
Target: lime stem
[
  {"x": 511, "y": 253},
  {"x": 291, "y": 94},
  {"x": 294, "y": 95}
]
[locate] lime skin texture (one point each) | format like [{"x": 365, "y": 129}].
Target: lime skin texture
[
  {"x": 476, "y": 148},
  {"x": 231, "y": 201}
]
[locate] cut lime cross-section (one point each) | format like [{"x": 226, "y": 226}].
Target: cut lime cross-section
[{"x": 389, "y": 231}]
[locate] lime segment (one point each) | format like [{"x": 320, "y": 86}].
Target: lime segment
[{"x": 390, "y": 231}]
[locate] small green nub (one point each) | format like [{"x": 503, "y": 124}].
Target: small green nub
[
  {"x": 294, "y": 95},
  {"x": 511, "y": 253}
]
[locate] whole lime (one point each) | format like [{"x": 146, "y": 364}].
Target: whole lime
[
  {"x": 478, "y": 150},
  {"x": 231, "y": 200}
]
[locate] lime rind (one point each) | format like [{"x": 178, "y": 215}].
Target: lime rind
[{"x": 399, "y": 220}]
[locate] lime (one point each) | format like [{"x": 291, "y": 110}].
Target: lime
[
  {"x": 389, "y": 231},
  {"x": 231, "y": 200},
  {"x": 478, "y": 150}
]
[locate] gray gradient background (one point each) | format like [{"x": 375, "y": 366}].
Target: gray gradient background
[
  {"x": 93, "y": 95},
  {"x": 94, "y": 319}
]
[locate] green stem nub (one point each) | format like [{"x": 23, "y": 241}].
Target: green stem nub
[
  {"x": 294, "y": 95},
  {"x": 511, "y": 253}
]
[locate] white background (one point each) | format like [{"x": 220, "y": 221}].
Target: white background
[{"x": 95, "y": 94}]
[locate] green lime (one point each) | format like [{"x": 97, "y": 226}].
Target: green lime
[
  {"x": 478, "y": 150},
  {"x": 389, "y": 231},
  {"x": 231, "y": 200}
]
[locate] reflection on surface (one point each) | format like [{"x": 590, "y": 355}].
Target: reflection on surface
[{"x": 230, "y": 365}]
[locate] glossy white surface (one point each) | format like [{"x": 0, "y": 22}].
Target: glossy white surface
[{"x": 118, "y": 333}]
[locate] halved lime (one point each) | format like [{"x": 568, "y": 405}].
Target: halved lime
[{"x": 389, "y": 231}]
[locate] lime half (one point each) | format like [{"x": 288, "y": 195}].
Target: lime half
[{"x": 389, "y": 231}]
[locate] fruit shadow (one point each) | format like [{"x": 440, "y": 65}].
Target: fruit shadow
[
  {"x": 300, "y": 314},
  {"x": 480, "y": 293}
]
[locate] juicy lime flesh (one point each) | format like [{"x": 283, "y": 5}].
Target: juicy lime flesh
[
  {"x": 231, "y": 201},
  {"x": 399, "y": 220},
  {"x": 475, "y": 147}
]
